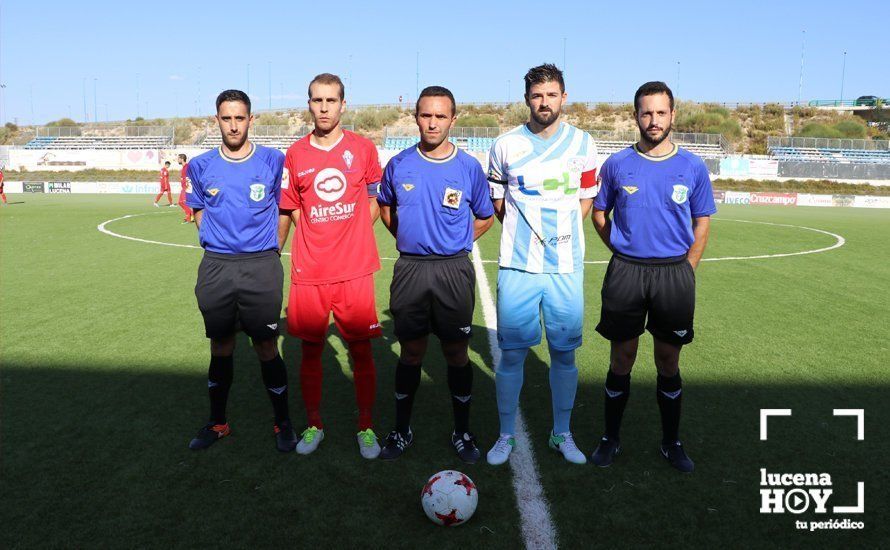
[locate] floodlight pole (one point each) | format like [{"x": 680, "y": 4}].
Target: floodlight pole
[
  {"x": 800, "y": 82},
  {"x": 843, "y": 74}
]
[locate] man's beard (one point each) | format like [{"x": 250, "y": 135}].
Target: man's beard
[
  {"x": 654, "y": 142},
  {"x": 549, "y": 117},
  {"x": 235, "y": 142}
]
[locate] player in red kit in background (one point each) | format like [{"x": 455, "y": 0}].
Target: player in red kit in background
[
  {"x": 329, "y": 190},
  {"x": 165, "y": 185},
  {"x": 184, "y": 189},
  {"x": 2, "y": 194}
]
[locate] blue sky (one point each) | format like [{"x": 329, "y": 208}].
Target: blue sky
[{"x": 179, "y": 55}]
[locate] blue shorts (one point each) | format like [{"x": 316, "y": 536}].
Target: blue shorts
[{"x": 524, "y": 297}]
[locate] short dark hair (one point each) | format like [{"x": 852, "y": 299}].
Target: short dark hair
[
  {"x": 182, "y": 156},
  {"x": 166, "y": 163},
  {"x": 327, "y": 78},
  {"x": 233, "y": 95},
  {"x": 436, "y": 91},
  {"x": 548, "y": 72},
  {"x": 653, "y": 88}
]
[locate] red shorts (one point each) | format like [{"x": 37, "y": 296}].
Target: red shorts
[
  {"x": 165, "y": 188},
  {"x": 309, "y": 310}
]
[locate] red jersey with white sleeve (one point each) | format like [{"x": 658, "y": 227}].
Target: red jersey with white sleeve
[
  {"x": 331, "y": 187},
  {"x": 165, "y": 178}
]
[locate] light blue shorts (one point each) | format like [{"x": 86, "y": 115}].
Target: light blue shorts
[{"x": 524, "y": 297}]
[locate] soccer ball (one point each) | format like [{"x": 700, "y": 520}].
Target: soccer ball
[{"x": 449, "y": 498}]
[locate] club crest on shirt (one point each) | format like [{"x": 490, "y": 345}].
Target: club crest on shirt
[
  {"x": 631, "y": 189},
  {"x": 576, "y": 164},
  {"x": 285, "y": 178},
  {"x": 347, "y": 158},
  {"x": 257, "y": 192},
  {"x": 188, "y": 185},
  {"x": 451, "y": 199},
  {"x": 213, "y": 192},
  {"x": 407, "y": 186},
  {"x": 680, "y": 193}
]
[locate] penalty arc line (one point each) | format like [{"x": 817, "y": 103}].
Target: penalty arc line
[
  {"x": 538, "y": 531},
  {"x": 839, "y": 241}
]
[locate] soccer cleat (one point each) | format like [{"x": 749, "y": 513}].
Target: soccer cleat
[
  {"x": 172, "y": 206},
  {"x": 208, "y": 435},
  {"x": 465, "y": 445},
  {"x": 605, "y": 452},
  {"x": 309, "y": 440},
  {"x": 156, "y": 205},
  {"x": 185, "y": 222},
  {"x": 500, "y": 453},
  {"x": 395, "y": 445},
  {"x": 677, "y": 457},
  {"x": 367, "y": 444},
  {"x": 285, "y": 436},
  {"x": 565, "y": 444}
]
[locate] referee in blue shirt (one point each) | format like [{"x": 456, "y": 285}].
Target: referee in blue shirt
[
  {"x": 661, "y": 201},
  {"x": 234, "y": 191},
  {"x": 435, "y": 200}
]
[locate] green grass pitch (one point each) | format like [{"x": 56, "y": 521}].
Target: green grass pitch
[{"x": 103, "y": 384}]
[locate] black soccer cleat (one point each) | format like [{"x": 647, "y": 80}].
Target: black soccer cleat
[
  {"x": 465, "y": 445},
  {"x": 285, "y": 436},
  {"x": 606, "y": 451},
  {"x": 677, "y": 457},
  {"x": 395, "y": 445},
  {"x": 208, "y": 435}
]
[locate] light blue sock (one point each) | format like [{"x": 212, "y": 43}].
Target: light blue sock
[
  {"x": 563, "y": 384},
  {"x": 508, "y": 381}
]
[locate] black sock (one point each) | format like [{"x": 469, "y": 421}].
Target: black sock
[
  {"x": 617, "y": 391},
  {"x": 275, "y": 380},
  {"x": 460, "y": 382},
  {"x": 219, "y": 380},
  {"x": 670, "y": 395},
  {"x": 407, "y": 382}
]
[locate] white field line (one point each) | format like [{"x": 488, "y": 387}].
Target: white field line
[
  {"x": 537, "y": 526},
  {"x": 839, "y": 241}
]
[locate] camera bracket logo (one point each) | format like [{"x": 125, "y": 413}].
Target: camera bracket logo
[{"x": 797, "y": 493}]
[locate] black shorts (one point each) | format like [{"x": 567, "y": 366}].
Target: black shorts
[
  {"x": 662, "y": 289},
  {"x": 240, "y": 292},
  {"x": 433, "y": 294}
]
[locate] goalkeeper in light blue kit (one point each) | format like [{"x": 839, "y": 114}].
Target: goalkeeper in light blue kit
[{"x": 543, "y": 181}]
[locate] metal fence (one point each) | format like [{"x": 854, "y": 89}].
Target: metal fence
[
  {"x": 829, "y": 170},
  {"x": 58, "y": 131},
  {"x": 104, "y": 131},
  {"x": 456, "y": 132},
  {"x": 687, "y": 138},
  {"x": 149, "y": 131},
  {"x": 828, "y": 143}
]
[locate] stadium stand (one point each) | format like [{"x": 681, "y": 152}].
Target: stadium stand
[
  {"x": 277, "y": 137},
  {"x": 825, "y": 150},
  {"x": 120, "y": 137},
  {"x": 703, "y": 145}
]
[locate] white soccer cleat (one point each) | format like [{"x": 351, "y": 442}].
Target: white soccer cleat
[
  {"x": 367, "y": 444},
  {"x": 156, "y": 205},
  {"x": 565, "y": 444},
  {"x": 309, "y": 440},
  {"x": 500, "y": 453}
]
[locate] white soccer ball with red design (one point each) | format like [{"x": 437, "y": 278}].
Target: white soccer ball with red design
[{"x": 449, "y": 498}]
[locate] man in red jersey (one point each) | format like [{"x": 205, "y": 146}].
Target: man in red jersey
[
  {"x": 2, "y": 194},
  {"x": 185, "y": 186},
  {"x": 329, "y": 190},
  {"x": 165, "y": 185}
]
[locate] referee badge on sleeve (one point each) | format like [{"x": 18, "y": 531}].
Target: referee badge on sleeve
[{"x": 452, "y": 198}]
